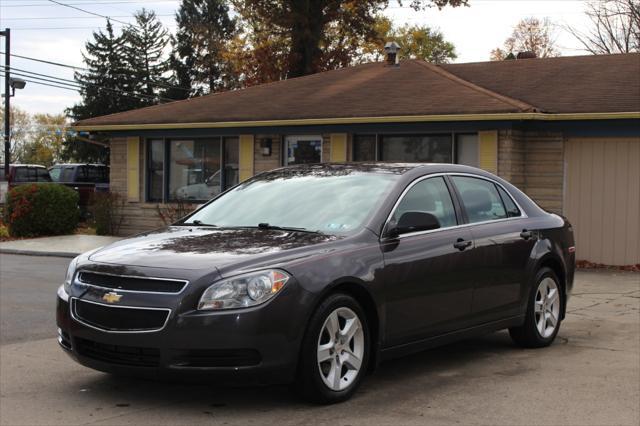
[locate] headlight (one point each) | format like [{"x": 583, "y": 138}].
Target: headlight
[
  {"x": 244, "y": 290},
  {"x": 71, "y": 270}
]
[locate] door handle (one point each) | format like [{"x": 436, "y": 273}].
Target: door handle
[
  {"x": 461, "y": 244},
  {"x": 526, "y": 234}
]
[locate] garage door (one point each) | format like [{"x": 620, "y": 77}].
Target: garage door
[{"x": 602, "y": 198}]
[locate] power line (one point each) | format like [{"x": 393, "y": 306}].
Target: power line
[
  {"x": 22, "y": 18},
  {"x": 92, "y": 3},
  {"x": 85, "y": 4},
  {"x": 90, "y": 13},
  {"x": 169, "y": 86},
  {"x": 46, "y": 62},
  {"x": 70, "y": 28},
  {"x": 78, "y": 86}
]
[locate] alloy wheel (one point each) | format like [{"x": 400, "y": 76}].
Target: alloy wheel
[
  {"x": 340, "y": 349},
  {"x": 547, "y": 307}
]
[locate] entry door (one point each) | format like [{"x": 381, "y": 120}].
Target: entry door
[{"x": 428, "y": 281}]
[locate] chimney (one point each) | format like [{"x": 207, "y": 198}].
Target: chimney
[
  {"x": 391, "y": 49},
  {"x": 526, "y": 55}
]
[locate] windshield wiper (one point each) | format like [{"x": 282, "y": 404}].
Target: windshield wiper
[
  {"x": 200, "y": 223},
  {"x": 286, "y": 228}
]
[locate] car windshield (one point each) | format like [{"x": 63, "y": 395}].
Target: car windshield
[{"x": 318, "y": 200}]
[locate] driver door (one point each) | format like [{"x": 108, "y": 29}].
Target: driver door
[{"x": 427, "y": 274}]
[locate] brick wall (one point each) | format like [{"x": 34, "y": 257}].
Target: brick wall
[
  {"x": 533, "y": 161},
  {"x": 544, "y": 169},
  {"x": 262, "y": 163},
  {"x": 511, "y": 153}
]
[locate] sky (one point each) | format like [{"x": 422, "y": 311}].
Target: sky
[{"x": 45, "y": 30}]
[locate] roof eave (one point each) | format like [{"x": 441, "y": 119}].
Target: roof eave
[{"x": 519, "y": 116}]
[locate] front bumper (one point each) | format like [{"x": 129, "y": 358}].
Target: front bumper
[{"x": 258, "y": 345}]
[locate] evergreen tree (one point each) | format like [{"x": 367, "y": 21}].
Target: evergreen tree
[
  {"x": 107, "y": 79},
  {"x": 144, "y": 47},
  {"x": 200, "y": 48}
]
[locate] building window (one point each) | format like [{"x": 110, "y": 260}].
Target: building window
[
  {"x": 155, "y": 170},
  {"x": 364, "y": 148},
  {"x": 190, "y": 169},
  {"x": 417, "y": 148},
  {"x": 467, "y": 150},
  {"x": 435, "y": 148},
  {"x": 303, "y": 150}
]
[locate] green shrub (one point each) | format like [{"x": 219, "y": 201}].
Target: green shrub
[
  {"x": 41, "y": 209},
  {"x": 106, "y": 212}
]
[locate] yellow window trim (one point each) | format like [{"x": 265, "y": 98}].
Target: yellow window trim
[
  {"x": 338, "y": 152},
  {"x": 488, "y": 150},
  {"x": 246, "y": 154},
  {"x": 133, "y": 169}
]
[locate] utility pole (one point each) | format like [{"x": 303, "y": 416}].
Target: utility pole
[{"x": 7, "y": 99}]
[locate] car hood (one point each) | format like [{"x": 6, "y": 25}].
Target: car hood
[{"x": 183, "y": 247}]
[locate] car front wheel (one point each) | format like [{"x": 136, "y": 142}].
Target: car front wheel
[
  {"x": 544, "y": 307},
  {"x": 335, "y": 351}
]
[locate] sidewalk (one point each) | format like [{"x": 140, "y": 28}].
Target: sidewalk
[{"x": 61, "y": 246}]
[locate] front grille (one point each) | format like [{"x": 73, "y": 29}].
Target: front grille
[
  {"x": 216, "y": 358},
  {"x": 123, "y": 355},
  {"x": 119, "y": 318},
  {"x": 118, "y": 282}
]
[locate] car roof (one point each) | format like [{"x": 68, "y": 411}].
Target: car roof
[
  {"x": 27, "y": 165},
  {"x": 381, "y": 167},
  {"x": 80, "y": 164}
]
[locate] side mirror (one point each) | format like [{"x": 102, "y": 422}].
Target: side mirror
[{"x": 413, "y": 222}]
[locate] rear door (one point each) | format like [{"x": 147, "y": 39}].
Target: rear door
[
  {"x": 502, "y": 247},
  {"x": 428, "y": 280}
]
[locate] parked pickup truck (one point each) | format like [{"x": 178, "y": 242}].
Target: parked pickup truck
[
  {"x": 84, "y": 178},
  {"x": 20, "y": 174}
]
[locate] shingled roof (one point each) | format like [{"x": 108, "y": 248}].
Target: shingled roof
[{"x": 608, "y": 83}]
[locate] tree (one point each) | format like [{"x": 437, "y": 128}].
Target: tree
[
  {"x": 416, "y": 42},
  {"x": 144, "y": 47},
  {"x": 20, "y": 131},
  {"x": 615, "y": 27},
  {"x": 45, "y": 144},
  {"x": 199, "y": 59},
  {"x": 108, "y": 78},
  {"x": 529, "y": 35},
  {"x": 323, "y": 34}
]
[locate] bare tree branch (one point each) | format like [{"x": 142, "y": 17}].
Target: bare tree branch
[{"x": 615, "y": 27}]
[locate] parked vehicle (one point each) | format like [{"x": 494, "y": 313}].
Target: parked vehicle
[
  {"x": 20, "y": 174},
  {"x": 84, "y": 178},
  {"x": 313, "y": 274}
]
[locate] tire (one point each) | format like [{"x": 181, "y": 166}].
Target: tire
[
  {"x": 542, "y": 320},
  {"x": 317, "y": 381}
]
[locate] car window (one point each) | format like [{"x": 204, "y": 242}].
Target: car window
[
  {"x": 43, "y": 175},
  {"x": 428, "y": 196},
  {"x": 510, "y": 205},
  {"x": 25, "y": 174},
  {"x": 67, "y": 174},
  {"x": 480, "y": 199},
  {"x": 55, "y": 173}
]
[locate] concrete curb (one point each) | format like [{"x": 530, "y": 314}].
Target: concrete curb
[{"x": 39, "y": 253}]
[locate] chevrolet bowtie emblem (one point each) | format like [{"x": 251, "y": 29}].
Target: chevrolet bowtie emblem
[{"x": 112, "y": 297}]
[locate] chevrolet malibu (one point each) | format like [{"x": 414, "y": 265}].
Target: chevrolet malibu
[{"x": 312, "y": 275}]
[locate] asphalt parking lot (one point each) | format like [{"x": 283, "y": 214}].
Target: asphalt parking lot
[{"x": 590, "y": 376}]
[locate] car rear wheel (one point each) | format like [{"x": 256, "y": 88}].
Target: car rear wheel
[
  {"x": 335, "y": 351},
  {"x": 542, "y": 320}
]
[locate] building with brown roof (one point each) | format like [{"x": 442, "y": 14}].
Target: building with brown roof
[{"x": 565, "y": 130}]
